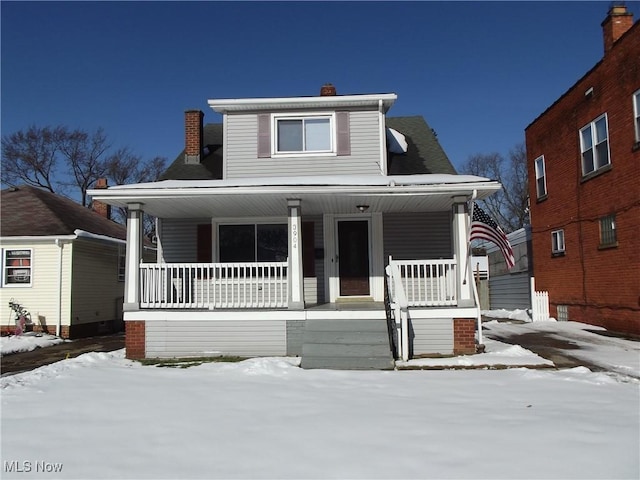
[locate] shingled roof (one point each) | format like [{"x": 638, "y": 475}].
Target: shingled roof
[
  {"x": 424, "y": 155},
  {"x": 31, "y": 211}
]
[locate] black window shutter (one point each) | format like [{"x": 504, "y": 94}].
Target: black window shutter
[{"x": 203, "y": 243}]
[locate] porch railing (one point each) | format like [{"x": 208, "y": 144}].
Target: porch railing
[
  {"x": 214, "y": 285},
  {"x": 428, "y": 283}
]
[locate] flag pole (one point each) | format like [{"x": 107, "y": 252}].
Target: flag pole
[{"x": 466, "y": 270}]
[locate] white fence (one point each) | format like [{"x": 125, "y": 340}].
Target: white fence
[
  {"x": 214, "y": 285},
  {"x": 539, "y": 304}
]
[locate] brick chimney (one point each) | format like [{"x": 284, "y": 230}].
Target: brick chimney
[
  {"x": 100, "y": 208},
  {"x": 327, "y": 90},
  {"x": 618, "y": 21},
  {"x": 192, "y": 136}
]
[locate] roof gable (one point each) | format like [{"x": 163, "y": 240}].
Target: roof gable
[
  {"x": 424, "y": 155},
  {"x": 31, "y": 211}
]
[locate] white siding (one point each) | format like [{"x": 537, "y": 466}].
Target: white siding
[
  {"x": 242, "y": 151},
  {"x": 417, "y": 236},
  {"x": 432, "y": 336},
  {"x": 97, "y": 295},
  {"x": 41, "y": 298},
  {"x": 184, "y": 338}
]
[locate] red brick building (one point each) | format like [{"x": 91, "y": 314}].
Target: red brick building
[{"x": 584, "y": 184}]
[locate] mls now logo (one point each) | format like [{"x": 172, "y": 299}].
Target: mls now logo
[{"x": 27, "y": 466}]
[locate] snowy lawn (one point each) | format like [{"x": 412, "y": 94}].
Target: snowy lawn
[
  {"x": 102, "y": 416},
  {"x": 26, "y": 342}
]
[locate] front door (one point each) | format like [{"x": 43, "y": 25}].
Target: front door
[{"x": 353, "y": 257}]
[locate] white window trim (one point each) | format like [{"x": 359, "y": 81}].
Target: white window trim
[
  {"x": 5, "y": 284},
  {"x": 636, "y": 114},
  {"x": 275, "y": 117},
  {"x": 538, "y": 176},
  {"x": 592, "y": 129},
  {"x": 557, "y": 235}
]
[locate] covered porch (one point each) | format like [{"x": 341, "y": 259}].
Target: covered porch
[{"x": 296, "y": 244}]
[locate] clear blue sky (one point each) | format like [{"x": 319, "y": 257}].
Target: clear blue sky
[{"x": 478, "y": 72}]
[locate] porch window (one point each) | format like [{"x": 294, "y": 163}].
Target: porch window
[
  {"x": 608, "y": 237},
  {"x": 121, "y": 263},
  {"x": 253, "y": 243},
  {"x": 594, "y": 145},
  {"x": 557, "y": 242},
  {"x": 541, "y": 177},
  {"x": 17, "y": 265}
]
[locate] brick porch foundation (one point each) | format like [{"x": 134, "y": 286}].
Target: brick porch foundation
[
  {"x": 464, "y": 336},
  {"x": 135, "y": 339}
]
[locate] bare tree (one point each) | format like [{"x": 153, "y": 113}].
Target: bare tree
[
  {"x": 31, "y": 157},
  {"x": 509, "y": 206},
  {"x": 124, "y": 167},
  {"x": 85, "y": 155}
]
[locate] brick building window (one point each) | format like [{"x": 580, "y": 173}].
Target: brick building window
[
  {"x": 17, "y": 266},
  {"x": 541, "y": 177},
  {"x": 608, "y": 236},
  {"x": 636, "y": 114},
  {"x": 557, "y": 242},
  {"x": 594, "y": 145}
]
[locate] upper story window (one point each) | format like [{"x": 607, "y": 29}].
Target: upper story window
[
  {"x": 594, "y": 145},
  {"x": 304, "y": 134},
  {"x": 557, "y": 242},
  {"x": 636, "y": 114},
  {"x": 541, "y": 177},
  {"x": 17, "y": 267}
]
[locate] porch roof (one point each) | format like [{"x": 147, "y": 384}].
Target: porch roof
[{"x": 267, "y": 196}]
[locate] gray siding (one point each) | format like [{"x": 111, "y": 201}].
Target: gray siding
[
  {"x": 242, "y": 151},
  {"x": 316, "y": 293},
  {"x": 413, "y": 236},
  {"x": 179, "y": 237},
  {"x": 510, "y": 292},
  {"x": 295, "y": 335},
  {"x": 246, "y": 338},
  {"x": 431, "y": 336}
]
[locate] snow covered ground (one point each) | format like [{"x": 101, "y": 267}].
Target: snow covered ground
[
  {"x": 26, "y": 342},
  {"x": 102, "y": 416}
]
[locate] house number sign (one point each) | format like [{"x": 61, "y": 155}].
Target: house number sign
[{"x": 294, "y": 236}]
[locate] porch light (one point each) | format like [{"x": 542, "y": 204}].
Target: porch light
[{"x": 362, "y": 208}]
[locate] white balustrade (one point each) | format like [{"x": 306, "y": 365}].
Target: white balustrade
[
  {"x": 428, "y": 283},
  {"x": 213, "y": 285}
]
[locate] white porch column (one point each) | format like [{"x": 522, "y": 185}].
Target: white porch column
[
  {"x": 132, "y": 259},
  {"x": 295, "y": 276},
  {"x": 461, "y": 251}
]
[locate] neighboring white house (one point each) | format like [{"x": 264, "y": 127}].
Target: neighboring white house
[
  {"x": 61, "y": 262},
  {"x": 299, "y": 216}
]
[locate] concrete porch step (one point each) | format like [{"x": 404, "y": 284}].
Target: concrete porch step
[{"x": 346, "y": 344}]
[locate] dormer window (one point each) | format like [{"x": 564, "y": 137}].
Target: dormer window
[{"x": 303, "y": 134}]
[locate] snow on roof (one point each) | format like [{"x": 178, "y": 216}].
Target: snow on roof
[{"x": 329, "y": 180}]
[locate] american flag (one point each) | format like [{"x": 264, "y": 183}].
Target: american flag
[{"x": 484, "y": 228}]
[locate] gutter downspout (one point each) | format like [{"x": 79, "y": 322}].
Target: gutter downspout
[{"x": 60, "y": 246}]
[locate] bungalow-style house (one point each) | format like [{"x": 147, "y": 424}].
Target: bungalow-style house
[
  {"x": 283, "y": 230},
  {"x": 61, "y": 262}
]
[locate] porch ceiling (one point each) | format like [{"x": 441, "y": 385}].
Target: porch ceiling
[{"x": 252, "y": 201}]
